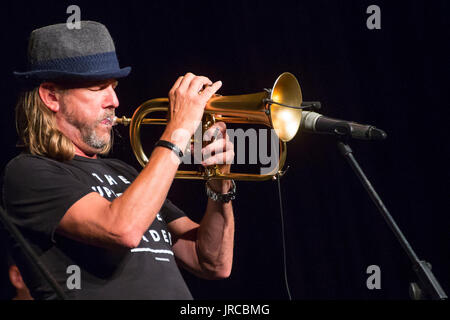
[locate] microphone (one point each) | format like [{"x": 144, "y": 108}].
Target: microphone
[{"x": 317, "y": 123}]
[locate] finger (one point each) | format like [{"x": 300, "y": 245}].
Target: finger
[
  {"x": 215, "y": 147},
  {"x": 198, "y": 83},
  {"x": 175, "y": 86},
  {"x": 210, "y": 90},
  {"x": 221, "y": 158},
  {"x": 186, "y": 81},
  {"x": 172, "y": 95},
  {"x": 217, "y": 131}
]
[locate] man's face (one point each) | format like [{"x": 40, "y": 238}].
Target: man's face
[{"x": 86, "y": 115}]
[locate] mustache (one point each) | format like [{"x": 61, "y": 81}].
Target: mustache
[{"x": 108, "y": 115}]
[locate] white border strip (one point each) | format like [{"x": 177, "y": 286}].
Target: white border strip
[
  {"x": 151, "y": 250},
  {"x": 162, "y": 259}
]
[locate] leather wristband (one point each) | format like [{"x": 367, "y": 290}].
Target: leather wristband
[
  {"x": 171, "y": 146},
  {"x": 222, "y": 197}
]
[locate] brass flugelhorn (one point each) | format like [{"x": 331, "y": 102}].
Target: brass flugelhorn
[{"x": 278, "y": 108}]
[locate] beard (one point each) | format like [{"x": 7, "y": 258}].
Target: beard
[
  {"x": 88, "y": 131},
  {"x": 91, "y": 138}
]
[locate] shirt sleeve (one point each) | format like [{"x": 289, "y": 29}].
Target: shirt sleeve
[
  {"x": 38, "y": 192},
  {"x": 171, "y": 212}
]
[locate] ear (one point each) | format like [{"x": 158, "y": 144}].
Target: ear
[
  {"x": 15, "y": 277},
  {"x": 49, "y": 95}
]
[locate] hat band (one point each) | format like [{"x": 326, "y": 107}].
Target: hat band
[{"x": 84, "y": 64}]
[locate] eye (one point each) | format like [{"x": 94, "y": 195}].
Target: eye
[
  {"x": 95, "y": 88},
  {"x": 103, "y": 86}
]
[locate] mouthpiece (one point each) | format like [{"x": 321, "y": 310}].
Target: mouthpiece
[{"x": 124, "y": 121}]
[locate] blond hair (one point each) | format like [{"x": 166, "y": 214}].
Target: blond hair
[{"x": 37, "y": 129}]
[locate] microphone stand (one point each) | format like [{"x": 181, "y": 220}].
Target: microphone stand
[{"x": 428, "y": 287}]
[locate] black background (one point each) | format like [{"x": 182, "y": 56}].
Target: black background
[{"x": 393, "y": 78}]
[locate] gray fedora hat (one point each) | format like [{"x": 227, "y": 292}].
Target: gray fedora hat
[{"x": 56, "y": 52}]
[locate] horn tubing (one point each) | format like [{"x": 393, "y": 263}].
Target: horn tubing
[{"x": 249, "y": 109}]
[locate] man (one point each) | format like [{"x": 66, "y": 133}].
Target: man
[
  {"x": 99, "y": 216},
  {"x": 12, "y": 285}
]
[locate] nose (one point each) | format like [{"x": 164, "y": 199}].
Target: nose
[{"x": 111, "y": 99}]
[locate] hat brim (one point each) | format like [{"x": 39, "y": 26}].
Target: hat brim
[{"x": 53, "y": 75}]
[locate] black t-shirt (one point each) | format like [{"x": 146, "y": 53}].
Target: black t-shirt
[{"x": 37, "y": 193}]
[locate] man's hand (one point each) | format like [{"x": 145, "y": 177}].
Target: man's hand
[
  {"x": 219, "y": 152},
  {"x": 206, "y": 249},
  {"x": 188, "y": 98}
]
